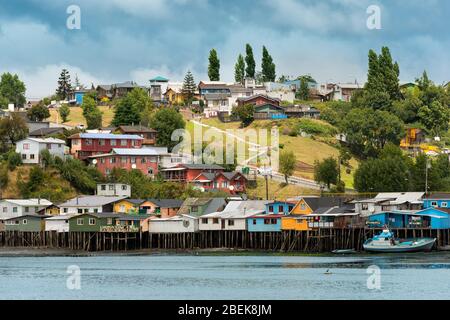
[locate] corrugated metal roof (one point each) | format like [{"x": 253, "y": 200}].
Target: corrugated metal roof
[
  {"x": 91, "y": 201},
  {"x": 139, "y": 152},
  {"x": 107, "y": 136}
]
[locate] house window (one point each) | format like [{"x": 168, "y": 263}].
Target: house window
[
  {"x": 24, "y": 157},
  {"x": 122, "y": 208},
  {"x": 124, "y": 187},
  {"x": 26, "y": 146},
  {"x": 365, "y": 206},
  {"x": 65, "y": 210},
  {"x": 80, "y": 221},
  {"x": 27, "y": 209},
  {"x": 133, "y": 159},
  {"x": 24, "y": 221},
  {"x": 280, "y": 209},
  {"x": 444, "y": 204},
  {"x": 273, "y": 221},
  {"x": 49, "y": 146},
  {"x": 113, "y": 142},
  {"x": 15, "y": 209},
  {"x": 225, "y": 184},
  {"x": 194, "y": 209},
  {"x": 123, "y": 160},
  {"x": 123, "y": 143},
  {"x": 231, "y": 222},
  {"x": 215, "y": 221},
  {"x": 108, "y": 171},
  {"x": 5, "y": 209},
  {"x": 254, "y": 221},
  {"x": 103, "y": 187},
  {"x": 150, "y": 170},
  {"x": 109, "y": 221},
  {"x": 80, "y": 211},
  {"x": 91, "y": 221},
  {"x": 434, "y": 203},
  {"x": 102, "y": 160},
  {"x": 101, "y": 142},
  {"x": 303, "y": 206},
  {"x": 111, "y": 187},
  {"x": 291, "y": 208},
  {"x": 270, "y": 208},
  {"x": 32, "y": 156},
  {"x": 204, "y": 221},
  {"x": 88, "y": 142},
  {"x": 95, "y": 210},
  {"x": 112, "y": 160},
  {"x": 143, "y": 160}
]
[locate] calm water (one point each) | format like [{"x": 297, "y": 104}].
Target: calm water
[{"x": 226, "y": 277}]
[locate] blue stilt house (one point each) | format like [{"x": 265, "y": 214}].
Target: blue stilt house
[
  {"x": 433, "y": 218},
  {"x": 270, "y": 221}
]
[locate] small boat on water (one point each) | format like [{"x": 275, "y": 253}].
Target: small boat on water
[
  {"x": 386, "y": 242},
  {"x": 344, "y": 251}
]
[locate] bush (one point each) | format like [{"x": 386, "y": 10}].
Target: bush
[
  {"x": 315, "y": 127},
  {"x": 3, "y": 176},
  {"x": 14, "y": 160}
]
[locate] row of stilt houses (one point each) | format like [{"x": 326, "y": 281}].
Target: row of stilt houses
[{"x": 115, "y": 221}]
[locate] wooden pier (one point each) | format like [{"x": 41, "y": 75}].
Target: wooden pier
[{"x": 312, "y": 241}]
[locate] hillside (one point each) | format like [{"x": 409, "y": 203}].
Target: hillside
[
  {"x": 307, "y": 149},
  {"x": 76, "y": 116},
  {"x": 53, "y": 188}
]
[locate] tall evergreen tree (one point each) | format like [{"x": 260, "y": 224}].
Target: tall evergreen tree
[
  {"x": 250, "y": 62},
  {"x": 390, "y": 72},
  {"x": 64, "y": 86},
  {"x": 214, "y": 66},
  {"x": 375, "y": 82},
  {"x": 303, "y": 92},
  {"x": 189, "y": 86},
  {"x": 267, "y": 66},
  {"x": 239, "y": 70}
]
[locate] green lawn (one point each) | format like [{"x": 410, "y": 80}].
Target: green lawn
[{"x": 76, "y": 116}]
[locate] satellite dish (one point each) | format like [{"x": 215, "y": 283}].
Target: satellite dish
[
  {"x": 231, "y": 188},
  {"x": 133, "y": 166},
  {"x": 186, "y": 223},
  {"x": 94, "y": 161}
]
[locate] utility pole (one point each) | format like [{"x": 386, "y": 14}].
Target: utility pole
[{"x": 426, "y": 176}]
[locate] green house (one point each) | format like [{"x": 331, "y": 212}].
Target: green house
[
  {"x": 26, "y": 223},
  {"x": 199, "y": 206},
  {"x": 108, "y": 222}
]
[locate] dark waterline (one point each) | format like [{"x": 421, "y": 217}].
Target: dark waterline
[{"x": 168, "y": 276}]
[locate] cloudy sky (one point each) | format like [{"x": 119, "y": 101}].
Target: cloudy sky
[{"x": 122, "y": 40}]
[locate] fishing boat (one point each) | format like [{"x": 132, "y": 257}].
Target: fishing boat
[{"x": 386, "y": 242}]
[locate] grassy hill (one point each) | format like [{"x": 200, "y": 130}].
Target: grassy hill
[
  {"x": 308, "y": 148},
  {"x": 76, "y": 116}
]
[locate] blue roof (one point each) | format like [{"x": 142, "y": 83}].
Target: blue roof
[{"x": 110, "y": 136}]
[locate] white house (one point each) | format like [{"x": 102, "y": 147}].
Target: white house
[
  {"x": 178, "y": 224},
  {"x": 12, "y": 208},
  {"x": 58, "y": 223},
  {"x": 388, "y": 201},
  {"x": 92, "y": 204},
  {"x": 30, "y": 148},
  {"x": 114, "y": 189},
  {"x": 234, "y": 216}
]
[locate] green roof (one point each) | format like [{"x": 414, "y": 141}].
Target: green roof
[{"x": 159, "y": 79}]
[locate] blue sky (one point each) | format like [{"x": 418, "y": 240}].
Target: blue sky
[{"x": 122, "y": 40}]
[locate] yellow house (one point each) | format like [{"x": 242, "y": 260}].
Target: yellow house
[
  {"x": 128, "y": 205},
  {"x": 304, "y": 207},
  {"x": 174, "y": 95}
]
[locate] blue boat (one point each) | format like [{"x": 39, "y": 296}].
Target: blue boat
[{"x": 386, "y": 242}]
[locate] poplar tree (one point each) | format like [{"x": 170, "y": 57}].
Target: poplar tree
[
  {"x": 214, "y": 66},
  {"x": 250, "y": 62},
  {"x": 267, "y": 66},
  {"x": 239, "y": 70}
]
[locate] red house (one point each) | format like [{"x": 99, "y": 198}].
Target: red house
[
  {"x": 208, "y": 177},
  {"x": 233, "y": 182},
  {"x": 146, "y": 160},
  {"x": 85, "y": 145},
  {"x": 258, "y": 99}
]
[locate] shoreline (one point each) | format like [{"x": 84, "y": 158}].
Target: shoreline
[{"x": 54, "y": 252}]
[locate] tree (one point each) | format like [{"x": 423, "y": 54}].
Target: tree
[
  {"x": 267, "y": 66},
  {"x": 13, "y": 129},
  {"x": 250, "y": 62},
  {"x": 239, "y": 70},
  {"x": 435, "y": 117},
  {"x": 129, "y": 109},
  {"x": 64, "y": 86},
  {"x": 64, "y": 112},
  {"x": 12, "y": 90},
  {"x": 38, "y": 112},
  {"x": 91, "y": 113},
  {"x": 166, "y": 121},
  {"x": 303, "y": 92},
  {"x": 326, "y": 171},
  {"x": 77, "y": 83},
  {"x": 391, "y": 172},
  {"x": 189, "y": 86},
  {"x": 244, "y": 113},
  {"x": 214, "y": 66},
  {"x": 287, "y": 164}
]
